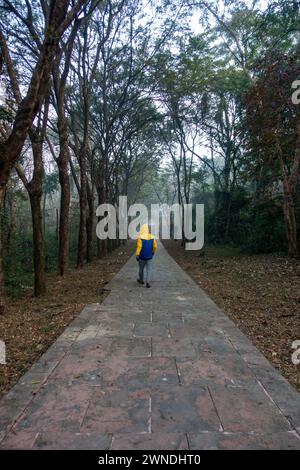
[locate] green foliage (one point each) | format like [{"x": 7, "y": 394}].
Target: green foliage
[
  {"x": 263, "y": 229},
  {"x": 51, "y": 250},
  {"x": 18, "y": 265},
  {"x": 51, "y": 183},
  {"x": 5, "y": 115},
  {"x": 255, "y": 226}
]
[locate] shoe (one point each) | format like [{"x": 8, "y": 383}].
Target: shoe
[
  {"x": 140, "y": 282},
  {"x": 148, "y": 286}
]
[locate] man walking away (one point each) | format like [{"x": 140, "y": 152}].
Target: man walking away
[{"x": 145, "y": 250}]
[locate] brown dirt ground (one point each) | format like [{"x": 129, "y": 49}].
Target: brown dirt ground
[
  {"x": 260, "y": 293},
  {"x": 31, "y": 324}
]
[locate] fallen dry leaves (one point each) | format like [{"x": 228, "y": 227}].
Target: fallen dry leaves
[
  {"x": 31, "y": 324},
  {"x": 260, "y": 293}
]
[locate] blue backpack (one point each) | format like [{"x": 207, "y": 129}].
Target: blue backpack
[{"x": 147, "y": 249}]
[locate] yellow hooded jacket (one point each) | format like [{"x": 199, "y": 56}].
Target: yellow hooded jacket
[{"x": 146, "y": 244}]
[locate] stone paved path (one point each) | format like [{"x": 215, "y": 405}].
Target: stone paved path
[{"x": 159, "y": 368}]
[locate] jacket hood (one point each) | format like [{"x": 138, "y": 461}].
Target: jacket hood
[{"x": 144, "y": 233}]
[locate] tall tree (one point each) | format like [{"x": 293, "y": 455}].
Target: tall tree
[{"x": 58, "y": 16}]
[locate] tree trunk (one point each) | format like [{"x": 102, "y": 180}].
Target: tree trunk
[
  {"x": 63, "y": 248},
  {"x": 100, "y": 248},
  {"x": 11, "y": 223},
  {"x": 56, "y": 224},
  {"x": 82, "y": 207},
  {"x": 100, "y": 243},
  {"x": 226, "y": 214},
  {"x": 38, "y": 245},
  {"x": 109, "y": 245},
  {"x": 289, "y": 183},
  {"x": 35, "y": 191},
  {"x": 2, "y": 290},
  {"x": 90, "y": 226},
  {"x": 291, "y": 224},
  {"x": 44, "y": 213},
  {"x": 63, "y": 168}
]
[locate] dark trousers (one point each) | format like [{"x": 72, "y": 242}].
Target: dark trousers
[{"x": 148, "y": 264}]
